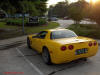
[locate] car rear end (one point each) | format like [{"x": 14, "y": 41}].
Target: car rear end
[
  {"x": 71, "y": 47},
  {"x": 76, "y": 50}
]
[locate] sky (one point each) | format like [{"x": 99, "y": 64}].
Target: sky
[{"x": 52, "y": 2}]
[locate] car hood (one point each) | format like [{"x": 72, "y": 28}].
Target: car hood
[{"x": 73, "y": 40}]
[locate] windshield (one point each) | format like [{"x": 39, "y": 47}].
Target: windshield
[{"x": 62, "y": 34}]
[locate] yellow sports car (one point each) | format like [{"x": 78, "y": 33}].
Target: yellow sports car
[{"x": 62, "y": 45}]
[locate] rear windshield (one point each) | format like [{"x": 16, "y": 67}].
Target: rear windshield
[{"x": 62, "y": 34}]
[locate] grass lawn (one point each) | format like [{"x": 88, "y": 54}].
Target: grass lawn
[
  {"x": 4, "y": 26},
  {"x": 15, "y": 31},
  {"x": 36, "y": 29},
  {"x": 87, "y": 30},
  {"x": 18, "y": 21}
]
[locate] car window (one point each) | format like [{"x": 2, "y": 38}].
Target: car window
[
  {"x": 62, "y": 34},
  {"x": 42, "y": 34}
]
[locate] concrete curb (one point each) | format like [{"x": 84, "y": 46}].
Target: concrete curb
[
  {"x": 12, "y": 45},
  {"x": 98, "y": 41},
  {"x": 12, "y": 42}
]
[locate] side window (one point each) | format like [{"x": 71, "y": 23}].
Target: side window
[{"x": 42, "y": 34}]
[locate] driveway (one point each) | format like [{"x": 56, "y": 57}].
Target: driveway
[{"x": 66, "y": 23}]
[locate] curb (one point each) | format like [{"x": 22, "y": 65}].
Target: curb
[
  {"x": 98, "y": 41},
  {"x": 12, "y": 45}
]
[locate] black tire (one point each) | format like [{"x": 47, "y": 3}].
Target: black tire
[
  {"x": 84, "y": 59},
  {"x": 29, "y": 43},
  {"x": 46, "y": 56}
]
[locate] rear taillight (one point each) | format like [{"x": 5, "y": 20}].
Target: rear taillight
[
  {"x": 95, "y": 43},
  {"x": 63, "y": 48},
  {"x": 90, "y": 44},
  {"x": 70, "y": 47}
]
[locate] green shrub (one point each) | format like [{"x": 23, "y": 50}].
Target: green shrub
[
  {"x": 86, "y": 30},
  {"x": 19, "y": 22},
  {"x": 16, "y": 21},
  {"x": 42, "y": 21}
]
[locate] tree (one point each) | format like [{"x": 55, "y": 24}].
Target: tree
[
  {"x": 77, "y": 11},
  {"x": 34, "y": 7},
  {"x": 95, "y": 12},
  {"x": 28, "y": 7},
  {"x": 60, "y": 9},
  {"x": 41, "y": 6},
  {"x": 50, "y": 11}
]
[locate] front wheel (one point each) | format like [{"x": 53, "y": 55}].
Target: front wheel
[
  {"x": 29, "y": 43},
  {"x": 46, "y": 56}
]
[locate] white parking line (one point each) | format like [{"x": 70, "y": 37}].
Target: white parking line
[
  {"x": 32, "y": 65},
  {"x": 22, "y": 45}
]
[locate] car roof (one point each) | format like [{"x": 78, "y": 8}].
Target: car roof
[{"x": 56, "y": 29}]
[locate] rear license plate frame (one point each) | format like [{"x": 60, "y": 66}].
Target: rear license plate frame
[{"x": 81, "y": 51}]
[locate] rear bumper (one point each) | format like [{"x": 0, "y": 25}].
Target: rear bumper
[{"x": 68, "y": 56}]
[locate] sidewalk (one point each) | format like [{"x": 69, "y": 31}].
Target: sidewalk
[
  {"x": 12, "y": 42},
  {"x": 98, "y": 41}
]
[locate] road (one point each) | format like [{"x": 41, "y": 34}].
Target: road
[{"x": 66, "y": 23}]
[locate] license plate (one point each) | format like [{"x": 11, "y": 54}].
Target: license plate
[{"x": 81, "y": 51}]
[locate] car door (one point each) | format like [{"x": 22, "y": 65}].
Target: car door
[
  {"x": 34, "y": 41},
  {"x": 39, "y": 41}
]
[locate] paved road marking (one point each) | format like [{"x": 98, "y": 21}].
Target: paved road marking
[
  {"x": 22, "y": 45},
  {"x": 32, "y": 65}
]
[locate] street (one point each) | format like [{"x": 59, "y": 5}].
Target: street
[{"x": 28, "y": 61}]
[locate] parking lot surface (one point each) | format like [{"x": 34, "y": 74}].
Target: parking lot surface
[{"x": 28, "y": 61}]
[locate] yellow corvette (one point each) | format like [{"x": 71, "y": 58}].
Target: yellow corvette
[{"x": 62, "y": 45}]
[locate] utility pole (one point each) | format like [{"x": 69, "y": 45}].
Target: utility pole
[{"x": 23, "y": 15}]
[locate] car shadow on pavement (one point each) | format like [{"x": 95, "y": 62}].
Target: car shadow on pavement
[{"x": 36, "y": 59}]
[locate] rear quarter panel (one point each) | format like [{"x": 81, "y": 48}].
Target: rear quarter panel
[
  {"x": 69, "y": 55},
  {"x": 53, "y": 48}
]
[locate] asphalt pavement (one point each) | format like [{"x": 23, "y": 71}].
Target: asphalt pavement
[
  {"x": 19, "y": 60},
  {"x": 29, "y": 62},
  {"x": 66, "y": 23},
  {"x": 12, "y": 61}
]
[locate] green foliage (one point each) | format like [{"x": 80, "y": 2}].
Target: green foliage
[
  {"x": 42, "y": 21},
  {"x": 95, "y": 12},
  {"x": 87, "y": 30},
  {"x": 36, "y": 29},
  {"x": 75, "y": 14},
  {"x": 18, "y": 22},
  {"x": 77, "y": 11},
  {"x": 41, "y": 6},
  {"x": 60, "y": 10},
  {"x": 17, "y": 30},
  {"x": 34, "y": 7},
  {"x": 28, "y": 7}
]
